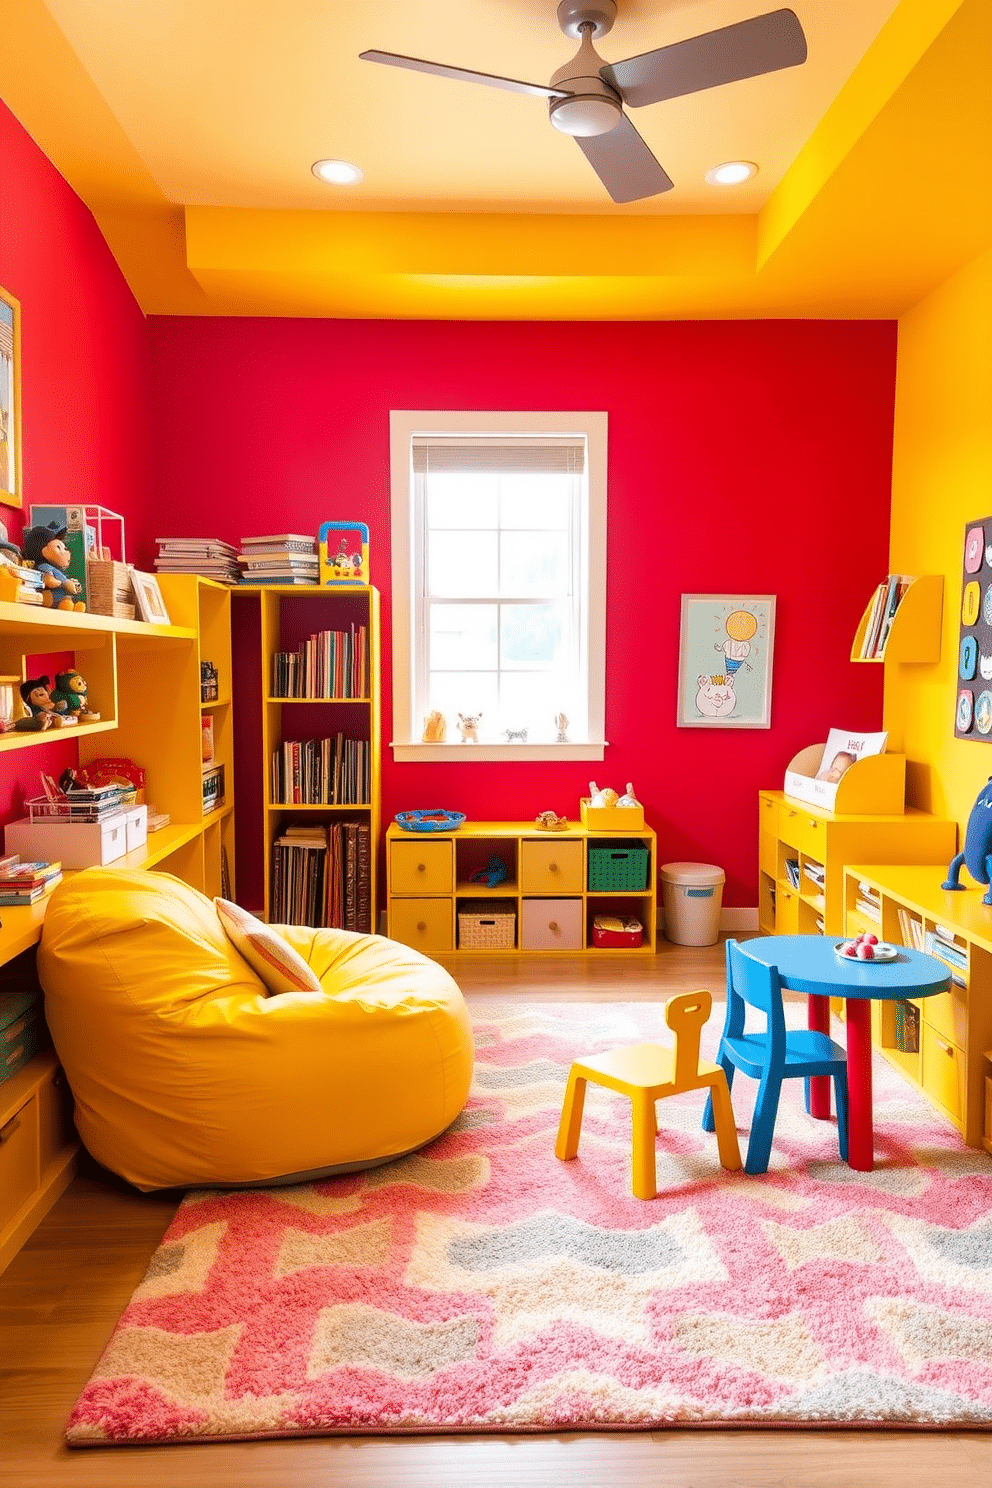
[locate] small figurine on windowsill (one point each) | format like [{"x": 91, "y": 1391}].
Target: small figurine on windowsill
[
  {"x": 468, "y": 727},
  {"x": 435, "y": 729},
  {"x": 69, "y": 696},
  {"x": 43, "y": 712},
  {"x": 561, "y": 728},
  {"x": 45, "y": 548}
]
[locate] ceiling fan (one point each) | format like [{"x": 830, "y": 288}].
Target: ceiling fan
[{"x": 586, "y": 97}]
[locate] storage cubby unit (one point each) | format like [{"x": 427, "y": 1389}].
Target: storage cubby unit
[
  {"x": 790, "y": 830},
  {"x": 144, "y": 680},
  {"x": 914, "y": 634},
  {"x": 548, "y": 889},
  {"x": 953, "y": 1062},
  {"x": 319, "y": 760}
]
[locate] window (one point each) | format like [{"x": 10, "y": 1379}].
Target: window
[{"x": 499, "y": 583}]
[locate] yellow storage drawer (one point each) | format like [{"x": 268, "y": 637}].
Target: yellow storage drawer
[
  {"x": 553, "y": 868},
  {"x": 947, "y": 1015},
  {"x": 767, "y": 814},
  {"x": 790, "y": 825},
  {"x": 786, "y": 912},
  {"x": 944, "y": 1068},
  {"x": 18, "y": 1159},
  {"x": 814, "y": 838},
  {"x": 422, "y": 867},
  {"x": 426, "y": 924},
  {"x": 767, "y": 852}
]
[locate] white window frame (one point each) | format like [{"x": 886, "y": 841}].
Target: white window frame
[{"x": 404, "y": 424}]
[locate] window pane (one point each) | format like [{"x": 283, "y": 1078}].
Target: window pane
[
  {"x": 463, "y": 637},
  {"x": 462, "y": 564},
  {"x": 462, "y": 501},
  {"x": 533, "y": 636},
  {"x": 534, "y": 563},
  {"x": 465, "y": 692},
  {"x": 536, "y": 500},
  {"x": 529, "y": 700}
]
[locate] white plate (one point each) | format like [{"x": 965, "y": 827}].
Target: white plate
[{"x": 883, "y": 952}]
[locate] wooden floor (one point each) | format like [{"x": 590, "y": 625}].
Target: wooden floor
[{"x": 60, "y": 1298}]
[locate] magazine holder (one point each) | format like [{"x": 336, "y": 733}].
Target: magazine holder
[{"x": 874, "y": 785}]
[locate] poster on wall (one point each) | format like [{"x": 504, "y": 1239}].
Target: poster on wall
[
  {"x": 725, "y": 661},
  {"x": 10, "y": 400},
  {"x": 973, "y": 713}
]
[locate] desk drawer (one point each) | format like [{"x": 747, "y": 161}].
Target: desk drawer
[
  {"x": 422, "y": 867},
  {"x": 790, "y": 825},
  {"x": 944, "y": 1073},
  {"x": 426, "y": 924},
  {"x": 18, "y": 1159},
  {"x": 551, "y": 867},
  {"x": 947, "y": 1015}
]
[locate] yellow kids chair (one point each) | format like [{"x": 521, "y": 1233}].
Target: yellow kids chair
[{"x": 645, "y": 1073}]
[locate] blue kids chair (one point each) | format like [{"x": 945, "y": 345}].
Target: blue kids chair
[{"x": 773, "y": 1055}]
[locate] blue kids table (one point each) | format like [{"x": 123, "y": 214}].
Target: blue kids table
[{"x": 810, "y": 964}]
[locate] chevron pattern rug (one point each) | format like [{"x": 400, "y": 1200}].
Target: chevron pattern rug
[{"x": 482, "y": 1285}]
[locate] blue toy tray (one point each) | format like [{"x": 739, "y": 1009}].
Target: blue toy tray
[{"x": 429, "y": 821}]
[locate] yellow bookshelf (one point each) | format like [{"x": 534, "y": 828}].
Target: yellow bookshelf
[
  {"x": 288, "y": 614},
  {"x": 914, "y": 635},
  {"x": 145, "y": 682}
]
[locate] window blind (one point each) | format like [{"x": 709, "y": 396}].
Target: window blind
[{"x": 475, "y": 455}]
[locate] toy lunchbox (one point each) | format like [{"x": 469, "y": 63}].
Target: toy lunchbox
[{"x": 344, "y": 555}]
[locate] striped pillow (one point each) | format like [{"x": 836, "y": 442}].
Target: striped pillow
[{"x": 278, "y": 965}]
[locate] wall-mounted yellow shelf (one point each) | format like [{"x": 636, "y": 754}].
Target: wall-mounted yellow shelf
[{"x": 914, "y": 635}]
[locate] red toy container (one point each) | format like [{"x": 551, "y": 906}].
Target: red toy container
[{"x": 628, "y": 938}]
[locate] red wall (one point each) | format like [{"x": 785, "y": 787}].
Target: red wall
[
  {"x": 744, "y": 456},
  {"x": 85, "y": 373}
]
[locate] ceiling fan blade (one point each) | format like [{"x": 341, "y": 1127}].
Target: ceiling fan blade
[
  {"x": 766, "y": 43},
  {"x": 624, "y": 164},
  {"x": 461, "y": 74}
]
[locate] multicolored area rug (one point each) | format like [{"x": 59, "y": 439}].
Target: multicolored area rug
[{"x": 482, "y": 1285}]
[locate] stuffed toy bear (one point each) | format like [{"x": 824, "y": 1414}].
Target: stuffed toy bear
[
  {"x": 44, "y": 712},
  {"x": 69, "y": 695}
]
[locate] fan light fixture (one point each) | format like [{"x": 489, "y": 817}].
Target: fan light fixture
[
  {"x": 731, "y": 173},
  {"x": 337, "y": 172}
]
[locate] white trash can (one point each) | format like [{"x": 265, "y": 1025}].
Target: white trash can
[{"x": 692, "y": 894}]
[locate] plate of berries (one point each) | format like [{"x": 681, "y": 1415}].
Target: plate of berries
[{"x": 865, "y": 948}]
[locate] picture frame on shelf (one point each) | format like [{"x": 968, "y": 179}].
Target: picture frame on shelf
[
  {"x": 148, "y": 597},
  {"x": 10, "y": 400},
  {"x": 726, "y": 649}
]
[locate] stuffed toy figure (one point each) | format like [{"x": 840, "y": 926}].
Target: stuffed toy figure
[
  {"x": 44, "y": 713},
  {"x": 45, "y": 548},
  {"x": 69, "y": 696}
]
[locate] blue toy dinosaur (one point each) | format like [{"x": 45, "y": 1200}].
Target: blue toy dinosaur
[{"x": 977, "y": 855}]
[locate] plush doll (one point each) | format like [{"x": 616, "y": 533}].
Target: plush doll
[
  {"x": 45, "y": 548},
  {"x": 44, "y": 713},
  {"x": 69, "y": 696}
]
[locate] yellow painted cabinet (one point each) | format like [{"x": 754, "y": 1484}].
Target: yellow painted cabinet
[
  {"x": 803, "y": 851},
  {"x": 943, "y": 1044}
]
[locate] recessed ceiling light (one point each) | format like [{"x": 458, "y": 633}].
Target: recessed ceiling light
[
  {"x": 337, "y": 172},
  {"x": 731, "y": 173}
]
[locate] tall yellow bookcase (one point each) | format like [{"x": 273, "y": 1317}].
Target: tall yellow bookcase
[
  {"x": 289, "y": 614},
  {"x": 144, "y": 680}
]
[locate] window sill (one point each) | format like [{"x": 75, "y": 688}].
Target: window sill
[{"x": 480, "y": 754}]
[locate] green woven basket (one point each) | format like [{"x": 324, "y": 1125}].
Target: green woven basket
[{"x": 620, "y": 867}]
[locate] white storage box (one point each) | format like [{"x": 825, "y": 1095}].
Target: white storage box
[
  {"x": 137, "y": 826},
  {"x": 73, "y": 844}
]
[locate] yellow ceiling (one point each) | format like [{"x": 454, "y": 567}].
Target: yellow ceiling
[{"x": 189, "y": 128}]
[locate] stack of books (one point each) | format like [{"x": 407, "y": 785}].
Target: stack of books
[
  {"x": 952, "y": 951},
  {"x": 20, "y": 585},
  {"x": 886, "y": 601},
  {"x": 911, "y": 929},
  {"x": 286, "y": 558},
  {"x": 869, "y": 902},
  {"x": 206, "y": 556},
  {"x": 322, "y": 772},
  {"x": 333, "y": 663},
  {"x": 24, "y": 883},
  {"x": 322, "y": 876}
]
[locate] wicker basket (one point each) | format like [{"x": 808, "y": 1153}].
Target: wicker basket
[
  {"x": 487, "y": 927},
  {"x": 108, "y": 588}
]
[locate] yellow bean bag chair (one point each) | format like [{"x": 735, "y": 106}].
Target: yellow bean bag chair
[{"x": 185, "y": 1072}]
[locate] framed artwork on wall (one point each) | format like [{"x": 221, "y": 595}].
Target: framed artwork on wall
[
  {"x": 725, "y": 661},
  {"x": 10, "y": 400}
]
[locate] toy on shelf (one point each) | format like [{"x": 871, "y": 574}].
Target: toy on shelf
[
  {"x": 344, "y": 554},
  {"x": 435, "y": 729},
  {"x": 45, "y": 547},
  {"x": 494, "y": 872},
  {"x": 515, "y": 736},
  {"x": 119, "y": 771},
  {"x": 606, "y": 811},
  {"x": 69, "y": 696},
  {"x": 628, "y": 801},
  {"x": 561, "y": 728},
  {"x": 44, "y": 712},
  {"x": 549, "y": 821},
  {"x": 977, "y": 855},
  {"x": 19, "y": 583},
  {"x": 436, "y": 820},
  {"x": 468, "y": 727}
]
